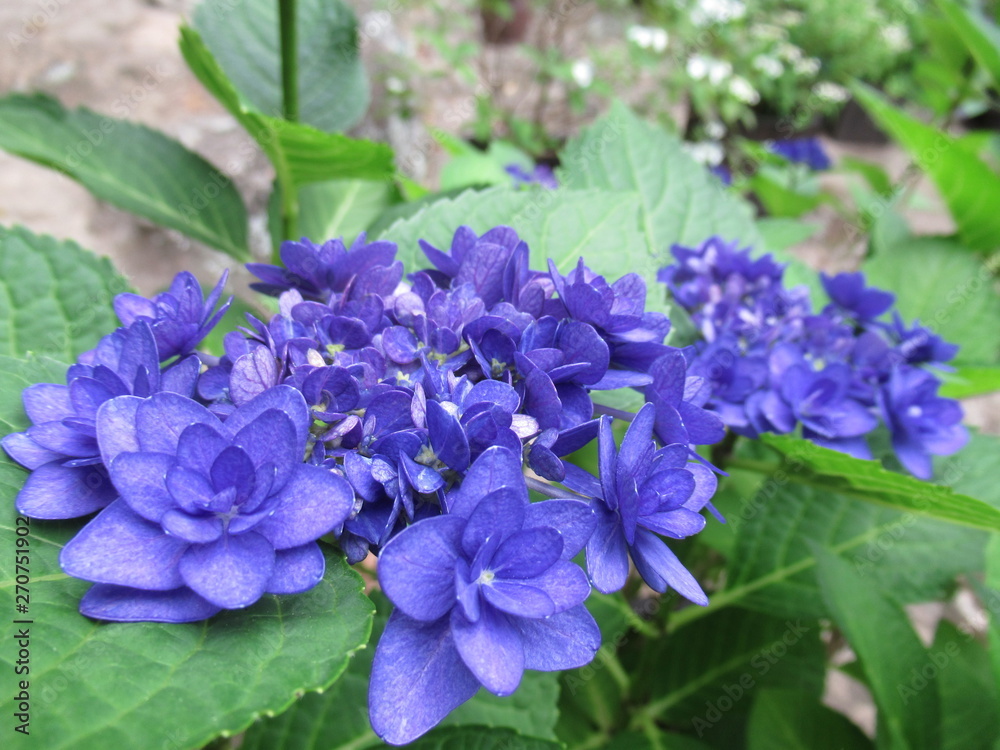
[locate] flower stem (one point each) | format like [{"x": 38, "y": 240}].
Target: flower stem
[
  {"x": 550, "y": 490},
  {"x": 613, "y": 412},
  {"x": 289, "y": 60}
]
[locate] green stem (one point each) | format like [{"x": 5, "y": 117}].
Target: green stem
[{"x": 289, "y": 60}]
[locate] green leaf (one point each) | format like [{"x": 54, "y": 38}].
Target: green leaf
[
  {"x": 143, "y": 684},
  {"x": 698, "y": 674},
  {"x": 781, "y": 234},
  {"x": 789, "y": 720},
  {"x": 681, "y": 202},
  {"x": 969, "y": 380},
  {"x": 333, "y": 87},
  {"x": 806, "y": 463},
  {"x": 952, "y": 295},
  {"x": 969, "y": 695},
  {"x": 301, "y": 154},
  {"x": 981, "y": 37},
  {"x": 130, "y": 166},
  {"x": 338, "y": 208},
  {"x": 969, "y": 187},
  {"x": 876, "y": 177},
  {"x": 480, "y": 738},
  {"x": 55, "y": 297},
  {"x": 658, "y": 741},
  {"x": 597, "y": 225},
  {"x": 773, "y": 565},
  {"x": 780, "y": 200},
  {"x": 890, "y": 652},
  {"x": 337, "y": 719}
]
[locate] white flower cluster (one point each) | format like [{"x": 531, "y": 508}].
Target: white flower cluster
[
  {"x": 707, "y": 12},
  {"x": 648, "y": 37}
]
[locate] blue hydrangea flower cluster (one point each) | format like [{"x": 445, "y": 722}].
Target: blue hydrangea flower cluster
[
  {"x": 770, "y": 363},
  {"x": 541, "y": 174},
  {"x": 402, "y": 418}
]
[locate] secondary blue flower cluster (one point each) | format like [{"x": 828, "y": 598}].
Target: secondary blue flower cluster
[
  {"x": 771, "y": 363},
  {"x": 400, "y": 417},
  {"x": 542, "y": 174},
  {"x": 808, "y": 151}
]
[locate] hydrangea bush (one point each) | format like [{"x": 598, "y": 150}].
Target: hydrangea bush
[{"x": 585, "y": 459}]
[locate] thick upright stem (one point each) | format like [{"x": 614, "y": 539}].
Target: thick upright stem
[{"x": 289, "y": 60}]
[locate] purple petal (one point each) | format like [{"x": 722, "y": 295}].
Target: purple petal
[
  {"x": 199, "y": 446},
  {"x": 574, "y": 519},
  {"x": 607, "y": 554},
  {"x": 499, "y": 515},
  {"x": 518, "y": 598},
  {"x": 565, "y": 640},
  {"x": 297, "y": 569},
  {"x": 565, "y": 583},
  {"x": 116, "y": 429},
  {"x": 197, "y": 529},
  {"x": 660, "y": 568},
  {"x": 119, "y": 603},
  {"x": 26, "y": 451},
  {"x": 491, "y": 649},
  {"x": 161, "y": 419},
  {"x": 417, "y": 678},
  {"x": 314, "y": 502},
  {"x": 141, "y": 480},
  {"x": 496, "y": 468},
  {"x": 417, "y": 567},
  {"x": 527, "y": 553},
  {"x": 54, "y": 491},
  {"x": 230, "y": 572},
  {"x": 283, "y": 398},
  {"x": 447, "y": 437},
  {"x": 271, "y": 439},
  {"x": 678, "y": 523},
  {"x": 252, "y": 375},
  {"x": 47, "y": 402},
  {"x": 638, "y": 436},
  {"x": 122, "y": 548}
]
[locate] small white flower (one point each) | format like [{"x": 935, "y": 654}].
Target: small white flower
[
  {"x": 830, "y": 92},
  {"x": 717, "y": 11},
  {"x": 708, "y": 153},
  {"x": 583, "y": 73},
  {"x": 648, "y": 37},
  {"x": 715, "y": 129},
  {"x": 769, "y": 66},
  {"x": 807, "y": 67},
  {"x": 718, "y": 71},
  {"x": 789, "y": 52},
  {"x": 743, "y": 90},
  {"x": 395, "y": 85},
  {"x": 896, "y": 37}
]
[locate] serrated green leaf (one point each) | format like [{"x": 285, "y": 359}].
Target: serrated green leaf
[
  {"x": 337, "y": 719},
  {"x": 301, "y": 154},
  {"x": 55, "y": 297},
  {"x": 597, "y": 225},
  {"x": 681, "y": 202},
  {"x": 969, "y": 695},
  {"x": 981, "y": 37},
  {"x": 789, "y": 720},
  {"x": 480, "y": 738},
  {"x": 969, "y": 187},
  {"x": 338, "y": 208},
  {"x": 129, "y": 166},
  {"x": 701, "y": 672},
  {"x": 333, "y": 87},
  {"x": 890, "y": 652},
  {"x": 143, "y": 684},
  {"x": 772, "y": 569},
  {"x": 806, "y": 463},
  {"x": 952, "y": 295}
]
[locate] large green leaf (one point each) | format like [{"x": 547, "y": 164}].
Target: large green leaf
[
  {"x": 337, "y": 718},
  {"x": 480, "y": 738},
  {"x": 952, "y": 295},
  {"x": 804, "y": 462},
  {"x": 969, "y": 695},
  {"x": 970, "y": 380},
  {"x": 598, "y": 225},
  {"x": 681, "y": 201},
  {"x": 333, "y": 88},
  {"x": 300, "y": 153},
  {"x": 981, "y": 36},
  {"x": 129, "y": 166},
  {"x": 789, "y": 720},
  {"x": 338, "y": 208},
  {"x": 890, "y": 652},
  {"x": 97, "y": 686},
  {"x": 773, "y": 565},
  {"x": 701, "y": 672},
  {"x": 969, "y": 187},
  {"x": 55, "y": 297}
]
